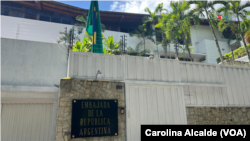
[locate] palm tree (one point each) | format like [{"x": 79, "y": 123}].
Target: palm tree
[
  {"x": 180, "y": 19},
  {"x": 153, "y": 17},
  {"x": 237, "y": 9},
  {"x": 143, "y": 32},
  {"x": 207, "y": 7},
  {"x": 162, "y": 24},
  {"x": 168, "y": 35}
]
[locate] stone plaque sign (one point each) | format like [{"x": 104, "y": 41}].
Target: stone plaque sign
[{"x": 94, "y": 117}]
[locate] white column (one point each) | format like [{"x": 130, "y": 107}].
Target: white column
[
  {"x": 1, "y": 105},
  {"x": 54, "y": 119}
]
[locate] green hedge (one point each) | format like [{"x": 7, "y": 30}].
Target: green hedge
[{"x": 239, "y": 52}]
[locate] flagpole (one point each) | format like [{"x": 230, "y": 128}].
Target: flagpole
[{"x": 93, "y": 30}]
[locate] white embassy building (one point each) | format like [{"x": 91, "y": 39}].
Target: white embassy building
[{"x": 24, "y": 21}]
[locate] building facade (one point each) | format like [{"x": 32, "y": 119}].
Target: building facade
[
  {"x": 33, "y": 64},
  {"x": 37, "y": 21}
]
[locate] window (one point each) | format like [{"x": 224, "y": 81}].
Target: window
[
  {"x": 44, "y": 18},
  {"x": 29, "y": 16},
  {"x": 30, "y": 13},
  {"x": 113, "y": 28},
  {"x": 5, "y": 10},
  {"x": 66, "y": 21},
  {"x": 17, "y": 12},
  {"x": 124, "y": 30},
  {"x": 55, "y": 20}
]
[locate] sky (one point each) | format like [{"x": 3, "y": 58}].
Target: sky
[
  {"x": 120, "y": 6},
  {"x": 136, "y": 6}
]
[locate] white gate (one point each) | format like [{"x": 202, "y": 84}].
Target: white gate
[
  {"x": 153, "y": 104},
  {"x": 26, "y": 122}
]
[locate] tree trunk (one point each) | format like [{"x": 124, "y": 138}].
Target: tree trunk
[
  {"x": 144, "y": 46},
  {"x": 169, "y": 52},
  {"x": 242, "y": 37},
  {"x": 176, "y": 51},
  {"x": 155, "y": 40},
  {"x": 233, "y": 56},
  {"x": 185, "y": 41},
  {"x": 216, "y": 41}
]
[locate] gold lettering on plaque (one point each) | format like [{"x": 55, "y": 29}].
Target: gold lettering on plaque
[
  {"x": 108, "y": 122},
  {"x": 108, "y": 106},
  {"x": 88, "y": 131},
  {"x": 81, "y": 132},
  {"x": 92, "y": 131},
  {"x": 81, "y": 121},
  {"x": 92, "y": 121},
  {"x": 85, "y": 120},
  {"x": 101, "y": 105},
  {"x": 99, "y": 130},
  {"x": 101, "y": 113},
  {"x": 90, "y": 105},
  {"x": 88, "y": 121},
  {"x": 96, "y": 131},
  {"x": 96, "y": 121},
  {"x": 85, "y": 131},
  {"x": 109, "y": 130},
  {"x": 99, "y": 121},
  {"x": 98, "y": 105},
  {"x": 105, "y": 130},
  {"x": 90, "y": 113},
  {"x": 104, "y": 121},
  {"x": 86, "y": 104}
]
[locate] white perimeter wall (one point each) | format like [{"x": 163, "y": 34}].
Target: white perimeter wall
[
  {"x": 41, "y": 31},
  {"x": 212, "y": 51},
  {"x": 30, "y": 63}
]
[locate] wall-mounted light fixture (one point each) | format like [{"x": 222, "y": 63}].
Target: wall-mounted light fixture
[
  {"x": 98, "y": 72},
  {"x": 151, "y": 57},
  {"x": 122, "y": 110}
]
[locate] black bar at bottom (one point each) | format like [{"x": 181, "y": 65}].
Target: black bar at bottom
[{"x": 163, "y": 132}]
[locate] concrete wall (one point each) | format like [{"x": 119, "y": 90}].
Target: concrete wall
[
  {"x": 82, "y": 89},
  {"x": 41, "y": 31},
  {"x": 236, "y": 63},
  {"x": 30, "y": 63},
  {"x": 212, "y": 51},
  {"x": 202, "y": 33},
  {"x": 218, "y": 116}
]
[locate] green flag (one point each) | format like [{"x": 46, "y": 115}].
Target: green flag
[{"x": 93, "y": 27}]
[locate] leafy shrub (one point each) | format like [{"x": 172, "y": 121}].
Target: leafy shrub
[{"x": 238, "y": 53}]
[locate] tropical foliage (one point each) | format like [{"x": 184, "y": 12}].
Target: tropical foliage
[
  {"x": 174, "y": 27},
  {"x": 83, "y": 46},
  {"x": 144, "y": 32},
  {"x": 237, "y": 9},
  {"x": 238, "y": 53},
  {"x": 206, "y": 9},
  {"x": 110, "y": 44}
]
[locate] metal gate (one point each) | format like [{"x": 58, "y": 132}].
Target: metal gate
[
  {"x": 153, "y": 104},
  {"x": 26, "y": 122}
]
